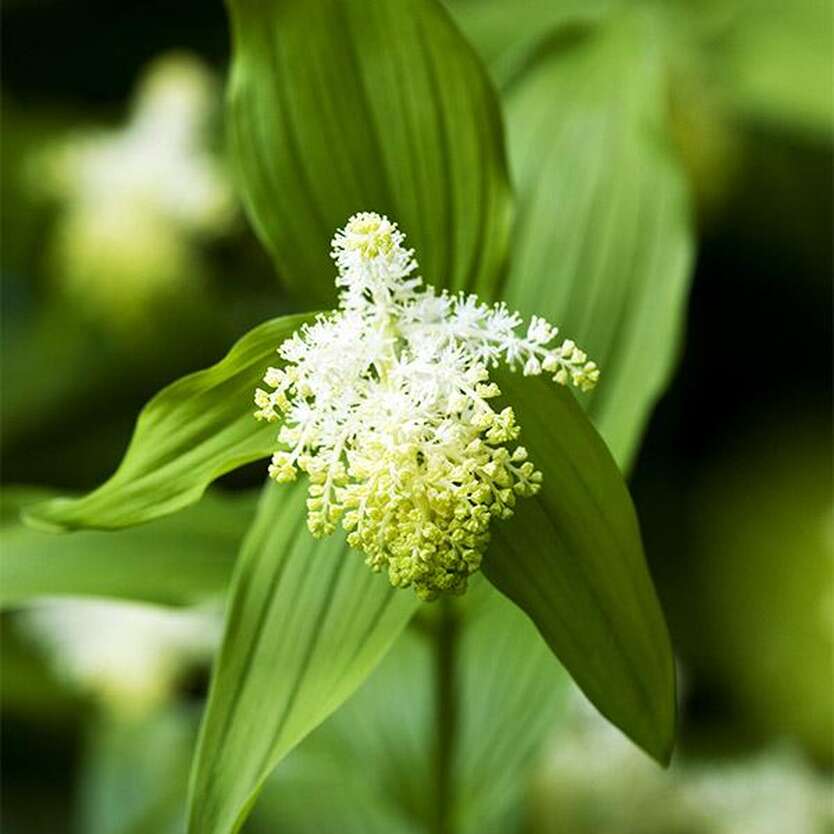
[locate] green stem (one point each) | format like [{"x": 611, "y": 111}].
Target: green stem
[{"x": 446, "y": 713}]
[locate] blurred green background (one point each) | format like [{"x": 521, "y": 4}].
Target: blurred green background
[{"x": 127, "y": 261}]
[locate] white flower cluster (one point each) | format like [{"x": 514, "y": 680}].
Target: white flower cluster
[{"x": 386, "y": 405}]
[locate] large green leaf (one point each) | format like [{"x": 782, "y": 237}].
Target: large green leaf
[
  {"x": 339, "y": 106},
  {"x": 572, "y": 559},
  {"x": 603, "y": 239},
  {"x": 178, "y": 560},
  {"x": 190, "y": 433},
  {"x": 306, "y": 624}
]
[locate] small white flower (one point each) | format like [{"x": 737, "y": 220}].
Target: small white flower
[{"x": 386, "y": 405}]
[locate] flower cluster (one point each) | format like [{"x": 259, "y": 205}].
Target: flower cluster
[{"x": 386, "y": 404}]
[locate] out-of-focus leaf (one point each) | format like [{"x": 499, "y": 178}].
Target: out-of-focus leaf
[
  {"x": 508, "y": 688},
  {"x": 603, "y": 240},
  {"x": 134, "y": 775},
  {"x": 327, "y": 792},
  {"x": 572, "y": 559},
  {"x": 306, "y": 624},
  {"x": 775, "y": 64},
  {"x": 510, "y": 691},
  {"x": 505, "y": 34},
  {"x": 759, "y": 527},
  {"x": 367, "y": 769},
  {"x": 190, "y": 433},
  {"x": 29, "y": 688},
  {"x": 339, "y": 106},
  {"x": 178, "y": 560}
]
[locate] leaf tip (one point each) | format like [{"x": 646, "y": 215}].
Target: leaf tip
[
  {"x": 661, "y": 737},
  {"x": 662, "y": 748}
]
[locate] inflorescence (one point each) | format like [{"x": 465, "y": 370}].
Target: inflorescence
[{"x": 386, "y": 404}]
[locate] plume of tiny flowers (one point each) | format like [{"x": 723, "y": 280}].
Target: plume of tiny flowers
[{"x": 386, "y": 404}]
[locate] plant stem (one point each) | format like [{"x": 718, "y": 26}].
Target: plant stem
[{"x": 446, "y": 709}]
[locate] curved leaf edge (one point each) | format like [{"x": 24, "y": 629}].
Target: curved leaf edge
[{"x": 48, "y": 516}]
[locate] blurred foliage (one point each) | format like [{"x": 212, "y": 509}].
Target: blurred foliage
[
  {"x": 136, "y": 204},
  {"x": 774, "y": 62},
  {"x": 128, "y": 656},
  {"x": 204, "y": 540},
  {"x": 106, "y": 344},
  {"x": 758, "y": 579},
  {"x": 134, "y": 773},
  {"x": 593, "y": 782}
]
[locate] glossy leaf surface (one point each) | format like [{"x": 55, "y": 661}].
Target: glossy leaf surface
[{"x": 572, "y": 559}]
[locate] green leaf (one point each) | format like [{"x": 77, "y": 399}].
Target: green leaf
[
  {"x": 603, "y": 241},
  {"x": 509, "y": 682},
  {"x": 572, "y": 559},
  {"x": 505, "y": 34},
  {"x": 339, "y": 106},
  {"x": 386, "y": 727},
  {"x": 201, "y": 541},
  {"x": 134, "y": 773},
  {"x": 327, "y": 792},
  {"x": 307, "y": 622},
  {"x": 505, "y": 679},
  {"x": 190, "y": 433}
]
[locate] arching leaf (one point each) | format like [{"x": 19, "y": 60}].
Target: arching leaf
[{"x": 189, "y": 434}]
